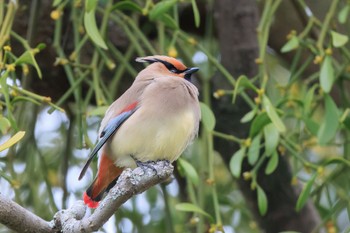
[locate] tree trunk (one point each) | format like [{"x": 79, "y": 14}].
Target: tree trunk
[{"x": 237, "y": 21}]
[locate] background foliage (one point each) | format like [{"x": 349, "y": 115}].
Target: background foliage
[{"x": 298, "y": 100}]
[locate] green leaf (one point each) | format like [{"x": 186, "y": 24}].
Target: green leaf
[
  {"x": 161, "y": 8},
  {"x": 127, "y": 5},
  {"x": 196, "y": 13},
  {"x": 242, "y": 83},
  {"x": 254, "y": 150},
  {"x": 41, "y": 46},
  {"x": 309, "y": 100},
  {"x": 271, "y": 136},
  {"x": 189, "y": 207},
  {"x": 5, "y": 124},
  {"x": 330, "y": 123},
  {"x": 338, "y": 40},
  {"x": 169, "y": 21},
  {"x": 258, "y": 123},
  {"x": 249, "y": 115},
  {"x": 327, "y": 74},
  {"x": 92, "y": 30},
  {"x": 189, "y": 171},
  {"x": 208, "y": 118},
  {"x": 343, "y": 14},
  {"x": 344, "y": 116},
  {"x": 262, "y": 201},
  {"x": 346, "y": 123},
  {"x": 56, "y": 3},
  {"x": 90, "y": 5},
  {"x": 305, "y": 193},
  {"x": 292, "y": 43},
  {"x": 236, "y": 162},
  {"x": 13, "y": 140},
  {"x": 272, "y": 164},
  {"x": 311, "y": 125},
  {"x": 28, "y": 58},
  {"x": 271, "y": 112},
  {"x": 98, "y": 111}
]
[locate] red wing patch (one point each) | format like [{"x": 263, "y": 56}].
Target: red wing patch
[{"x": 129, "y": 108}]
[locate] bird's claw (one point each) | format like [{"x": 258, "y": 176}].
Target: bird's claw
[
  {"x": 146, "y": 165},
  {"x": 149, "y": 164}
]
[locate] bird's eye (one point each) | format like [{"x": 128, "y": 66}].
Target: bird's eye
[{"x": 173, "y": 70}]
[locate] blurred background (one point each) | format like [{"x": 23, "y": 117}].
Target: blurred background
[{"x": 274, "y": 144}]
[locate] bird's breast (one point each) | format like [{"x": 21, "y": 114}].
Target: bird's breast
[
  {"x": 163, "y": 125},
  {"x": 149, "y": 138}
]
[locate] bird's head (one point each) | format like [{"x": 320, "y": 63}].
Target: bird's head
[{"x": 166, "y": 66}]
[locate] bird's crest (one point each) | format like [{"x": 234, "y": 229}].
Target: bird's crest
[{"x": 169, "y": 62}]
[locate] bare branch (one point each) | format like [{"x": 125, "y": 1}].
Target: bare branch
[
  {"x": 130, "y": 183},
  {"x": 19, "y": 219}
]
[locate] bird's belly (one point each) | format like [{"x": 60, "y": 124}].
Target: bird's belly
[{"x": 152, "y": 139}]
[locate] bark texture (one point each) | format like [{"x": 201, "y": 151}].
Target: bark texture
[
  {"x": 19, "y": 219},
  {"x": 130, "y": 183},
  {"x": 237, "y": 21}
]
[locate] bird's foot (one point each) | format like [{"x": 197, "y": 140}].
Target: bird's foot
[
  {"x": 149, "y": 164},
  {"x": 167, "y": 162},
  {"x": 146, "y": 165}
]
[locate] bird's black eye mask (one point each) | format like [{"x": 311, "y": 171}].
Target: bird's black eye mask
[
  {"x": 188, "y": 72},
  {"x": 168, "y": 65}
]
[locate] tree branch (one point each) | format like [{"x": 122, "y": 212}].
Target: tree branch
[
  {"x": 130, "y": 183},
  {"x": 19, "y": 219}
]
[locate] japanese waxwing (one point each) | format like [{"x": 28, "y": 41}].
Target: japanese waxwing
[{"x": 155, "y": 119}]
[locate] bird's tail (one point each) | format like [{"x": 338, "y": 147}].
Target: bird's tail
[{"x": 106, "y": 178}]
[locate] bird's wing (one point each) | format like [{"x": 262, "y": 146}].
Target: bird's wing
[{"x": 108, "y": 131}]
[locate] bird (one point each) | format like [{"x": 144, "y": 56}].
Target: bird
[{"x": 155, "y": 119}]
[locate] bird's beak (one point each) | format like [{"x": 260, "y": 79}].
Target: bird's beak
[{"x": 189, "y": 72}]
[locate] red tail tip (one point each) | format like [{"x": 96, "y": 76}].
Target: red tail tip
[{"x": 89, "y": 202}]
